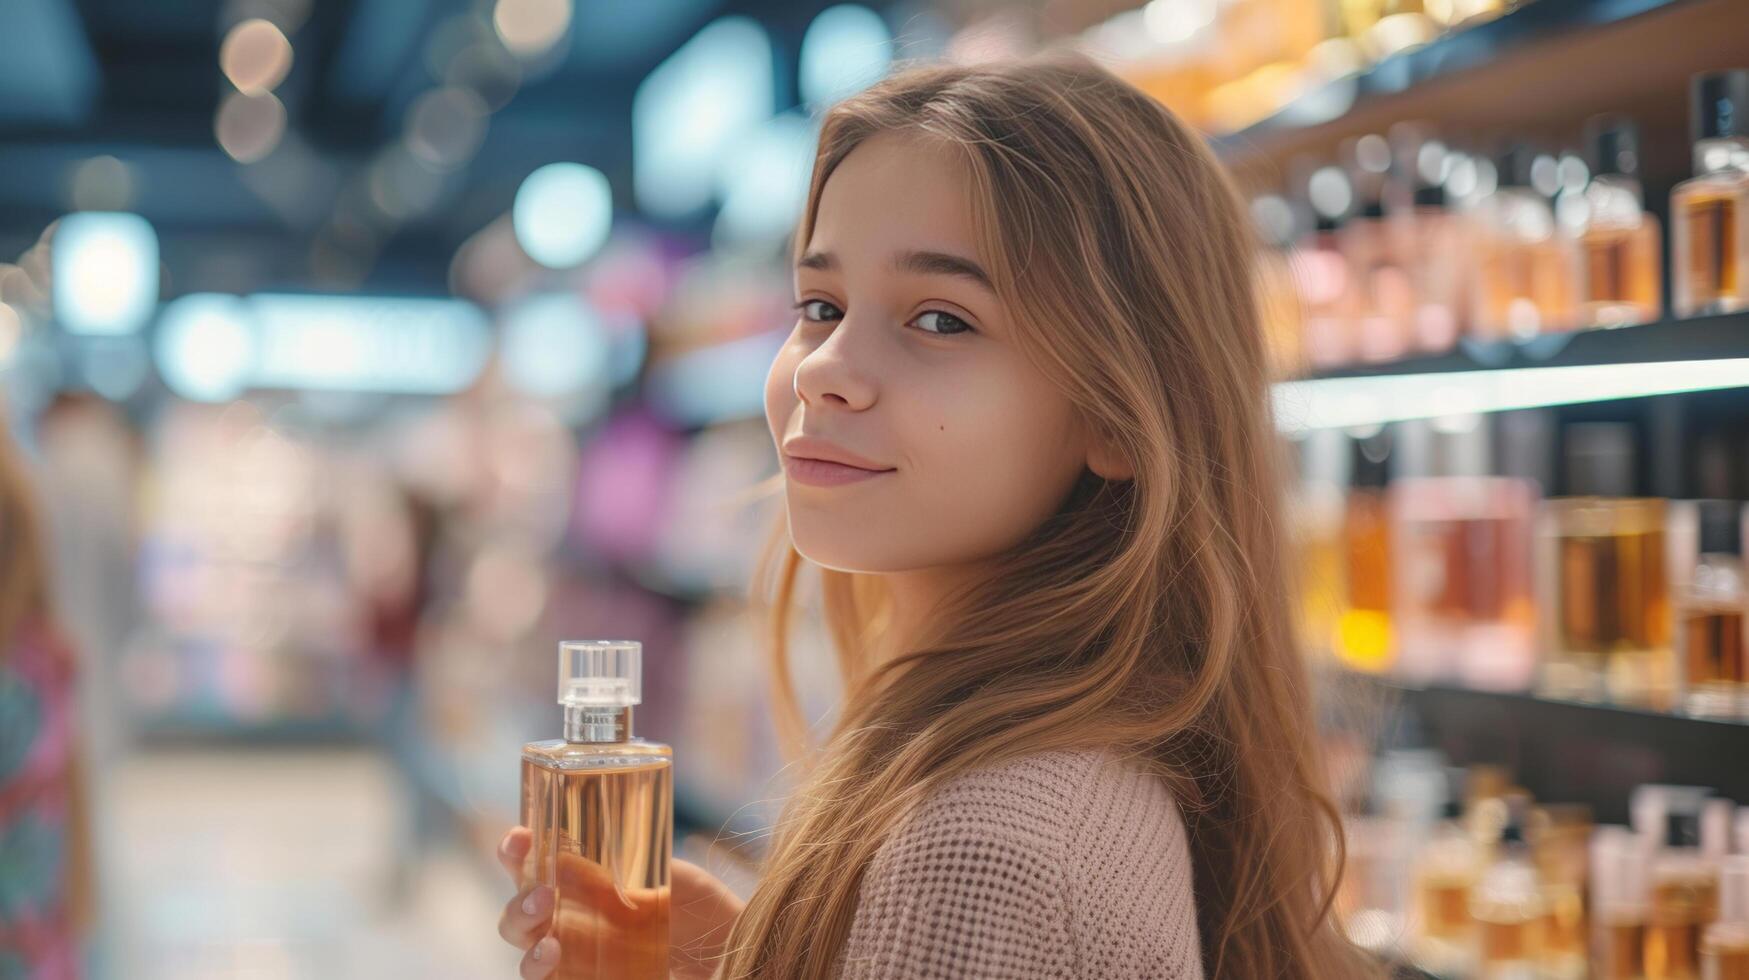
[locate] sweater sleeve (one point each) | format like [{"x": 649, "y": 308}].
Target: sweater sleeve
[{"x": 1008, "y": 872}]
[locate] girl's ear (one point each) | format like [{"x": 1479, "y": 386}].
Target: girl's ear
[{"x": 1104, "y": 459}]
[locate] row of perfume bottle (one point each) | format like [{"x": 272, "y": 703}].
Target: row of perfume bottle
[
  {"x": 1481, "y": 581},
  {"x": 1489, "y": 884},
  {"x": 1409, "y": 244}
]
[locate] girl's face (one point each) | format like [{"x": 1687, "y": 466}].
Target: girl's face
[{"x": 914, "y": 434}]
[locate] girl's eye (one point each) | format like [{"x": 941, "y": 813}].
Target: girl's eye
[
  {"x": 818, "y": 310},
  {"x": 935, "y": 321}
]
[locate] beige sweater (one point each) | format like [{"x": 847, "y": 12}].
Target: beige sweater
[{"x": 1057, "y": 864}]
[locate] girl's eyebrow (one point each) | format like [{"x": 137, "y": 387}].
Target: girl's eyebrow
[{"x": 922, "y": 262}]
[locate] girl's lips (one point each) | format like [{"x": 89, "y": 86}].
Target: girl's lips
[{"x": 821, "y": 473}]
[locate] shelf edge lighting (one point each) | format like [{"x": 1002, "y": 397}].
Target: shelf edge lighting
[{"x": 1329, "y": 403}]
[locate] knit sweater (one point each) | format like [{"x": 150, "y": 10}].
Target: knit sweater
[{"x": 1064, "y": 863}]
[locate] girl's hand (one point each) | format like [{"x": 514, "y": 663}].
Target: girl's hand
[{"x": 702, "y": 910}]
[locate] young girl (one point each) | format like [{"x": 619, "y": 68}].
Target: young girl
[{"x": 1025, "y": 430}]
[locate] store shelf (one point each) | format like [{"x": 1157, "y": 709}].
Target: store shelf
[
  {"x": 1540, "y": 69},
  {"x": 1568, "y": 752}
]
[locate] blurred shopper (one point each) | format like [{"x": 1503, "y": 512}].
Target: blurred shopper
[
  {"x": 1025, "y": 422},
  {"x": 46, "y": 900}
]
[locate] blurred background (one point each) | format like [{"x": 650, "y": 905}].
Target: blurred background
[{"x": 355, "y": 352}]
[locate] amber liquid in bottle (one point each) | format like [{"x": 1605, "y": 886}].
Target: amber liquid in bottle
[
  {"x": 1714, "y": 659},
  {"x": 1725, "y": 959},
  {"x": 1682, "y": 905},
  {"x": 1623, "y": 949},
  {"x": 1363, "y": 630},
  {"x": 603, "y": 834},
  {"x": 1620, "y": 274},
  {"x": 1710, "y": 267},
  {"x": 1613, "y": 609}
]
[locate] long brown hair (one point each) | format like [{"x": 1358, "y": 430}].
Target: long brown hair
[{"x": 1148, "y": 615}]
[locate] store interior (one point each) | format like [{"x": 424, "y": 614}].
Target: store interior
[{"x": 362, "y": 351}]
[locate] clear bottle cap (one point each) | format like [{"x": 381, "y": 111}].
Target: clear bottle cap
[
  {"x": 601, "y": 673},
  {"x": 1734, "y": 889}
]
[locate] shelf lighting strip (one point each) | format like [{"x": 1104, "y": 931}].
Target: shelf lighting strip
[{"x": 1328, "y": 403}]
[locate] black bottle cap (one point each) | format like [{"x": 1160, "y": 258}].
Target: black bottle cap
[
  {"x": 1613, "y": 144},
  {"x": 1718, "y": 101},
  {"x": 1721, "y": 527},
  {"x": 1430, "y": 196},
  {"x": 1371, "y": 460},
  {"x": 1452, "y": 809},
  {"x": 1512, "y": 833},
  {"x": 1512, "y": 165},
  {"x": 1681, "y": 829},
  {"x": 1372, "y": 207}
]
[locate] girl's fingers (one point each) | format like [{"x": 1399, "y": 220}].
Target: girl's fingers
[
  {"x": 513, "y": 849},
  {"x": 527, "y": 917},
  {"x": 541, "y": 959}
]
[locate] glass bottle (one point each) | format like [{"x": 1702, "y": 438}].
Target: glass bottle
[
  {"x": 1609, "y": 623},
  {"x": 1709, "y": 242},
  {"x": 1450, "y": 864},
  {"x": 600, "y": 803},
  {"x": 1526, "y": 277},
  {"x": 1724, "y": 947},
  {"x": 1711, "y": 617},
  {"x": 1684, "y": 890},
  {"x": 1434, "y": 240},
  {"x": 1507, "y": 906},
  {"x": 1364, "y": 637},
  {"x": 1621, "y": 255},
  {"x": 1322, "y": 274},
  {"x": 1618, "y": 904},
  {"x": 1384, "y": 293}
]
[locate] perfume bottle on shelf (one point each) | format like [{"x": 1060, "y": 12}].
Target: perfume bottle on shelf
[
  {"x": 1620, "y": 248},
  {"x": 1608, "y": 612},
  {"x": 600, "y": 803},
  {"x": 1507, "y": 906},
  {"x": 1384, "y": 292},
  {"x": 1450, "y": 864},
  {"x": 1558, "y": 834},
  {"x": 1683, "y": 891},
  {"x": 1724, "y": 947},
  {"x": 1709, "y": 241},
  {"x": 1711, "y": 616},
  {"x": 1526, "y": 277},
  {"x": 1365, "y": 639},
  {"x": 1322, "y": 274},
  {"x": 1278, "y": 301},
  {"x": 1433, "y": 239},
  {"x": 1619, "y": 900},
  {"x": 1464, "y": 604}
]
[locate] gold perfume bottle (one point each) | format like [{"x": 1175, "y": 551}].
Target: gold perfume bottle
[
  {"x": 600, "y": 803},
  {"x": 1618, "y": 904},
  {"x": 1709, "y": 242},
  {"x": 1608, "y": 635},
  {"x": 1507, "y": 905},
  {"x": 1711, "y": 617},
  {"x": 1365, "y": 638},
  {"x": 1724, "y": 948},
  {"x": 1621, "y": 258},
  {"x": 1683, "y": 893}
]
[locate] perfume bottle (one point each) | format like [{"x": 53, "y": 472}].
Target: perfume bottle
[
  {"x": 1464, "y": 607},
  {"x": 1431, "y": 235},
  {"x": 1507, "y": 906},
  {"x": 1558, "y": 835},
  {"x": 1724, "y": 947},
  {"x": 1450, "y": 864},
  {"x": 1364, "y": 635},
  {"x": 1684, "y": 881},
  {"x": 1608, "y": 633},
  {"x": 1384, "y": 293},
  {"x": 1525, "y": 281},
  {"x": 1711, "y": 616},
  {"x": 1618, "y": 904},
  {"x": 1621, "y": 260},
  {"x": 1709, "y": 242},
  {"x": 1322, "y": 274},
  {"x": 600, "y": 804}
]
